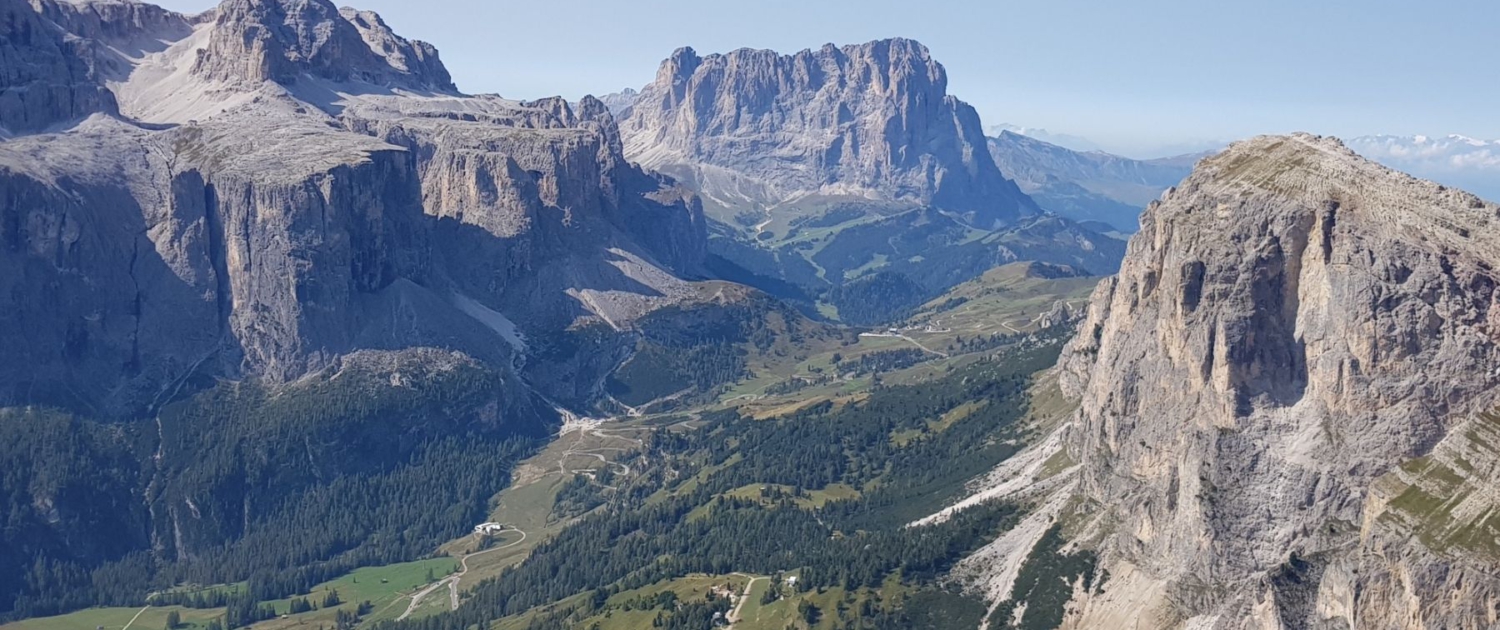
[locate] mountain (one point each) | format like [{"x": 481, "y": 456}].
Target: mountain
[
  {"x": 1286, "y": 401},
  {"x": 279, "y": 300},
  {"x": 618, "y": 102},
  {"x": 842, "y": 165},
  {"x": 764, "y": 135},
  {"x": 1076, "y": 143},
  {"x": 1085, "y": 186},
  {"x": 1454, "y": 160},
  {"x": 288, "y": 315},
  {"x": 261, "y": 189}
]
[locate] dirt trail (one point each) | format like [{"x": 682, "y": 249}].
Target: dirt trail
[
  {"x": 734, "y": 615},
  {"x": 913, "y": 342},
  {"x": 132, "y": 619}
]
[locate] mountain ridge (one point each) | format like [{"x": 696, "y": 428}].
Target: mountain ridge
[
  {"x": 1085, "y": 186},
  {"x": 315, "y": 161}
]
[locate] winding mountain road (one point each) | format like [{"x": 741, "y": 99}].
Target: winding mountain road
[{"x": 452, "y": 581}]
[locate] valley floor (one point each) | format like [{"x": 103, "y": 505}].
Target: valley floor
[{"x": 642, "y": 463}]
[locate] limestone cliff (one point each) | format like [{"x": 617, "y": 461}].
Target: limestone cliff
[
  {"x": 755, "y": 129},
  {"x": 282, "y": 184},
  {"x": 278, "y": 40},
  {"x": 46, "y": 78},
  {"x": 538, "y": 181},
  {"x": 1297, "y": 339}
]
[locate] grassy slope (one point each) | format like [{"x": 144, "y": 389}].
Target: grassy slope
[
  {"x": 387, "y": 588},
  {"x": 116, "y": 618},
  {"x": 384, "y": 587},
  {"x": 688, "y": 589},
  {"x": 1440, "y": 499},
  {"x": 1006, "y": 300}
]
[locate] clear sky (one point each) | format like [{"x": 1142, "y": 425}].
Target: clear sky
[{"x": 1138, "y": 77}]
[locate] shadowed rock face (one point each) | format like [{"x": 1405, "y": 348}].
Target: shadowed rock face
[
  {"x": 871, "y": 121},
  {"x": 46, "y": 78},
  {"x": 321, "y": 190},
  {"x": 1290, "y": 325}
]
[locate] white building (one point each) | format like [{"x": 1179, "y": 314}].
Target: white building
[{"x": 489, "y": 529}]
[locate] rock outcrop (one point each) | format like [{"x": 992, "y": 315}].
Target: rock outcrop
[
  {"x": 1297, "y": 338},
  {"x": 754, "y": 129},
  {"x": 527, "y": 197}
]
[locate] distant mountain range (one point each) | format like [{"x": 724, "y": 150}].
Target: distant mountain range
[
  {"x": 1067, "y": 141},
  {"x": 1167, "y": 150},
  {"x": 1086, "y": 186},
  {"x": 1460, "y": 161}
]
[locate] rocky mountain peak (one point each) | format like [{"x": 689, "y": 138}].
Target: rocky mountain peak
[
  {"x": 1322, "y": 171},
  {"x": 415, "y": 57},
  {"x": 872, "y": 121},
  {"x": 1291, "y": 323},
  {"x": 680, "y": 66},
  {"x": 278, "y": 40},
  {"x": 1300, "y": 164},
  {"x": 902, "y": 65}
]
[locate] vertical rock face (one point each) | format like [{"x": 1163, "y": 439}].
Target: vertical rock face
[
  {"x": 297, "y": 248},
  {"x": 99, "y": 306},
  {"x": 128, "y": 26},
  {"x": 306, "y": 212},
  {"x": 155, "y": 263},
  {"x": 871, "y": 121},
  {"x": 1290, "y": 325},
  {"x": 46, "y": 78},
  {"x": 277, "y": 40},
  {"x": 527, "y": 195}
]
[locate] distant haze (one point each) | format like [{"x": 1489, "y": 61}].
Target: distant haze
[{"x": 1140, "y": 78}]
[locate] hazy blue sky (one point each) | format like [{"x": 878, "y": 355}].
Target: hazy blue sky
[{"x": 1134, "y": 76}]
